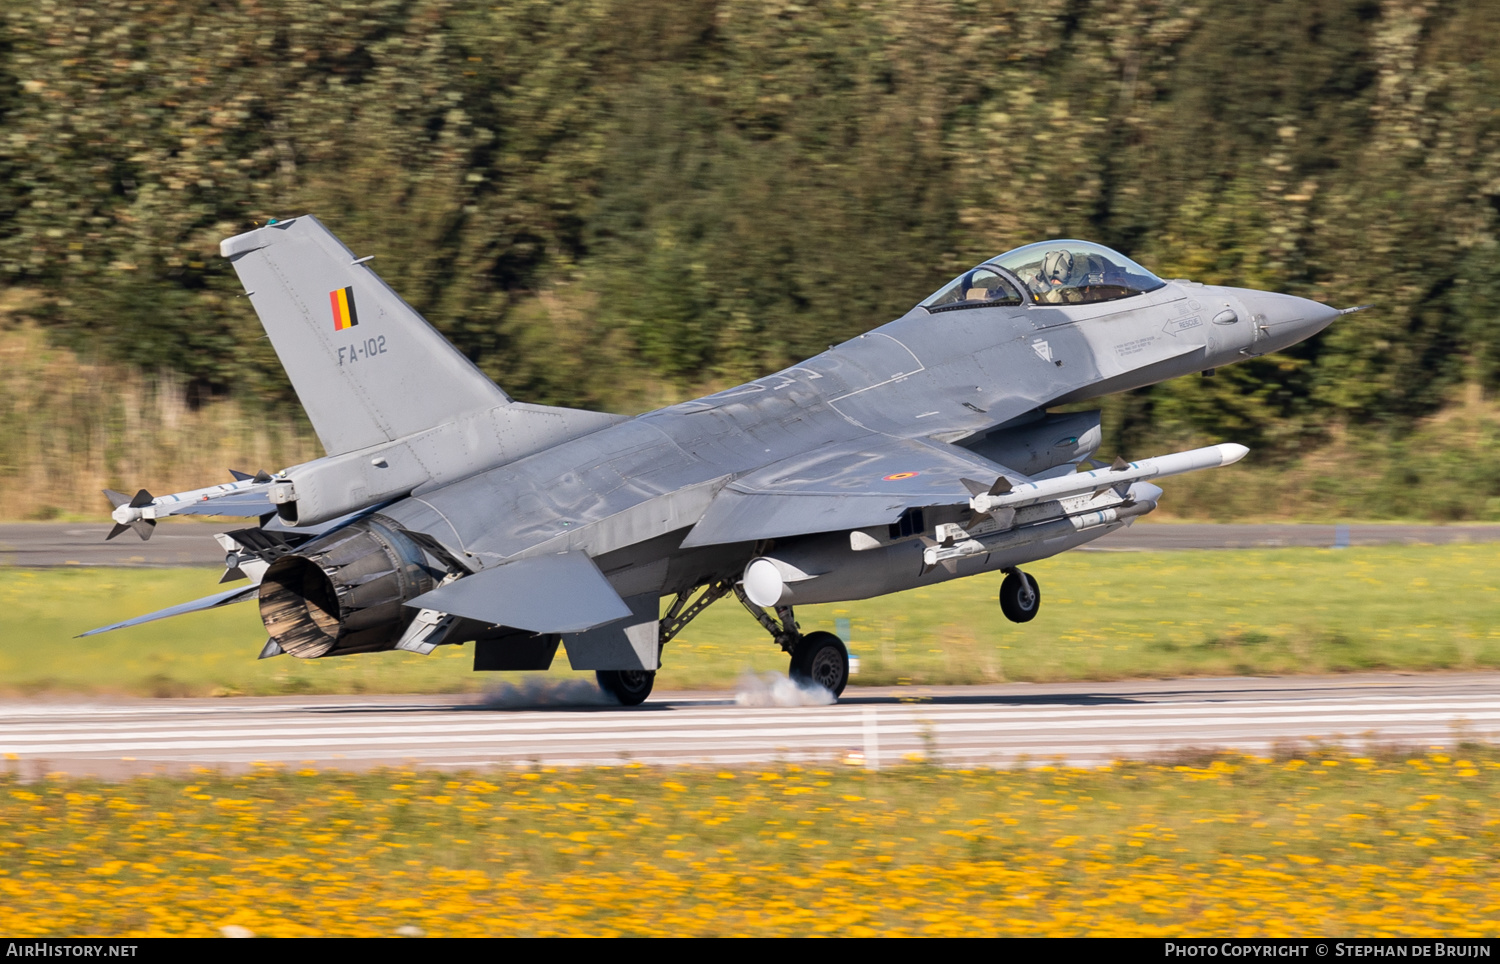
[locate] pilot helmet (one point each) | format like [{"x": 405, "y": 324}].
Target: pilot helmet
[{"x": 1057, "y": 267}]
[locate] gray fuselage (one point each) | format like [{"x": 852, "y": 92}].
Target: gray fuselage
[{"x": 625, "y": 494}]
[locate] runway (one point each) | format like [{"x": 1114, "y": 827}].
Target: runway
[
  {"x": 1078, "y": 724},
  {"x": 192, "y": 544}
]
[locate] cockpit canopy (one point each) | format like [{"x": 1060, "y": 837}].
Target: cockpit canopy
[{"x": 1051, "y": 273}]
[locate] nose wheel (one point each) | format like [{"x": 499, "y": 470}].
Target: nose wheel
[{"x": 1020, "y": 597}]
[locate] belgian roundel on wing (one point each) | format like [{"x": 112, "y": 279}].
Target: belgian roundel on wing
[{"x": 344, "y": 315}]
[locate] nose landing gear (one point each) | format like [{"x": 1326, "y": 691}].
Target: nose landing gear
[{"x": 1020, "y": 597}]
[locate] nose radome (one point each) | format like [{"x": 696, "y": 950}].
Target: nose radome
[{"x": 1287, "y": 319}]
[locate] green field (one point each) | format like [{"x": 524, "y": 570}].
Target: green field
[
  {"x": 1105, "y": 615},
  {"x": 1380, "y": 844}
]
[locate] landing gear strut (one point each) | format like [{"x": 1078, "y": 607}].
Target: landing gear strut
[
  {"x": 1020, "y": 597},
  {"x": 632, "y": 686},
  {"x": 819, "y": 658}
]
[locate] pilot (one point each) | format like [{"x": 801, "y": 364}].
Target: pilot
[{"x": 1054, "y": 283}]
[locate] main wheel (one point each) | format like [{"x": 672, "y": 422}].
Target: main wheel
[
  {"x": 1020, "y": 597},
  {"x": 823, "y": 659},
  {"x": 629, "y": 686}
]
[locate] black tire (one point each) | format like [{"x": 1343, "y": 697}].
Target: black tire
[
  {"x": 629, "y": 686},
  {"x": 822, "y": 659},
  {"x": 1020, "y": 597}
]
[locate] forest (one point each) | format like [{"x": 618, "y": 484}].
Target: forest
[{"x": 621, "y": 203}]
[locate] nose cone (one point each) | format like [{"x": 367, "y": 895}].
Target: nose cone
[{"x": 1284, "y": 320}]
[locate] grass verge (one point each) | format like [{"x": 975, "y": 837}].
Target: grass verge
[
  {"x": 1105, "y": 615},
  {"x": 1313, "y": 844}
]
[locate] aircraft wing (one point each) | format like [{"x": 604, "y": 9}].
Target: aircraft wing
[
  {"x": 866, "y": 482},
  {"x": 239, "y": 594}
]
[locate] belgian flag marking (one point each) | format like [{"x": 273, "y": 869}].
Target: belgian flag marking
[{"x": 344, "y": 315}]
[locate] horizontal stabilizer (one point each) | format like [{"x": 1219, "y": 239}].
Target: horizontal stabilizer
[
  {"x": 563, "y": 593},
  {"x": 207, "y": 602}
]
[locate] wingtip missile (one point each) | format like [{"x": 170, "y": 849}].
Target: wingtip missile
[{"x": 128, "y": 514}]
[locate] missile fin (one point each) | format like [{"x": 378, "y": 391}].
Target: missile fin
[
  {"x": 239, "y": 476},
  {"x": 975, "y": 488},
  {"x": 141, "y": 500},
  {"x": 115, "y": 531},
  {"x": 271, "y": 648},
  {"x": 143, "y": 527},
  {"x": 1120, "y": 465},
  {"x": 116, "y": 499},
  {"x": 1001, "y": 486}
]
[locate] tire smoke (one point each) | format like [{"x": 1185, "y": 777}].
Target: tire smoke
[
  {"x": 775, "y": 689},
  {"x": 535, "y": 692}
]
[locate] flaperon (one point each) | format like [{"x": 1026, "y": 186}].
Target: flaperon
[{"x": 445, "y": 512}]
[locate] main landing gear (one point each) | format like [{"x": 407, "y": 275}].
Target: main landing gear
[
  {"x": 1020, "y": 597},
  {"x": 821, "y": 658},
  {"x": 629, "y": 686},
  {"x": 818, "y": 658}
]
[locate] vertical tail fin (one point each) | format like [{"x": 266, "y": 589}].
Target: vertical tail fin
[{"x": 367, "y": 368}]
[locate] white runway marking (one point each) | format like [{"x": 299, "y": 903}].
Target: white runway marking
[{"x": 1077, "y": 724}]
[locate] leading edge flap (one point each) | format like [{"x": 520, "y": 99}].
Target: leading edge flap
[
  {"x": 867, "y": 482},
  {"x": 562, "y": 593}
]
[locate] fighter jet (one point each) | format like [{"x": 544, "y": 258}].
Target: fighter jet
[{"x": 445, "y": 512}]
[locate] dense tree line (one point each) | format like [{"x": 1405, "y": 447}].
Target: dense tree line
[{"x": 616, "y": 202}]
